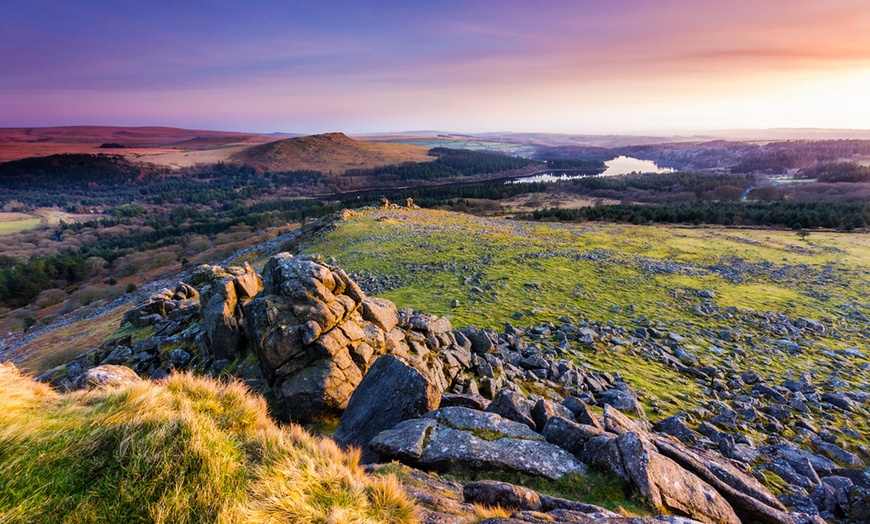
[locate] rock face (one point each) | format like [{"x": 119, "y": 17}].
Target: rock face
[
  {"x": 316, "y": 334},
  {"x": 300, "y": 328},
  {"x": 391, "y": 392},
  {"x": 668, "y": 486},
  {"x": 670, "y": 476},
  {"x": 474, "y": 439},
  {"x": 225, "y": 291}
]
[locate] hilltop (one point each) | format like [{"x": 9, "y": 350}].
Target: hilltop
[
  {"x": 741, "y": 352},
  {"x": 328, "y": 153}
]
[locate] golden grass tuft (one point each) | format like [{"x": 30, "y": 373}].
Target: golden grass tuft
[
  {"x": 186, "y": 450},
  {"x": 483, "y": 512}
]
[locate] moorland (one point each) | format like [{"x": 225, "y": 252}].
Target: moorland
[{"x": 746, "y": 266}]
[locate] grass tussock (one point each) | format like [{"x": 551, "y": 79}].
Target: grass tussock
[
  {"x": 483, "y": 512},
  {"x": 183, "y": 451}
]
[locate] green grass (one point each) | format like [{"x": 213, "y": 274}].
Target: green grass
[
  {"x": 17, "y": 226},
  {"x": 597, "y": 487},
  {"x": 581, "y": 271},
  {"x": 186, "y": 450}
]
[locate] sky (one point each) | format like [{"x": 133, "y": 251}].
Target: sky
[{"x": 575, "y": 66}]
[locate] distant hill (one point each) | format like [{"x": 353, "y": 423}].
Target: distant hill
[
  {"x": 152, "y": 136},
  {"x": 74, "y": 169},
  {"x": 330, "y": 152},
  {"x": 166, "y": 146}
]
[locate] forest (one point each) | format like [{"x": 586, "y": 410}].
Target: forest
[
  {"x": 794, "y": 215},
  {"x": 450, "y": 163},
  {"x": 141, "y": 209}
]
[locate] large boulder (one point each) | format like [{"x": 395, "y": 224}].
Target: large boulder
[
  {"x": 391, "y": 392},
  {"x": 476, "y": 440},
  {"x": 302, "y": 328},
  {"x": 623, "y": 398},
  {"x": 512, "y": 405},
  {"x": 569, "y": 435},
  {"x": 659, "y": 480},
  {"x": 666, "y": 485},
  {"x": 106, "y": 376}
]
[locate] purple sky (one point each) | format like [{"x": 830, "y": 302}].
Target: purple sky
[{"x": 562, "y": 66}]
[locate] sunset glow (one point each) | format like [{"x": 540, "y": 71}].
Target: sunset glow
[{"x": 622, "y": 66}]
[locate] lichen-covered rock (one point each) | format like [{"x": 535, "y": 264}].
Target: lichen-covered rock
[
  {"x": 474, "y": 439},
  {"x": 659, "y": 480},
  {"x": 745, "y": 494},
  {"x": 162, "y": 304},
  {"x": 512, "y": 405},
  {"x": 666, "y": 485},
  {"x": 296, "y": 329},
  {"x": 223, "y": 297}
]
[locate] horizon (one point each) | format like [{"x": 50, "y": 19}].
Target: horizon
[{"x": 625, "y": 68}]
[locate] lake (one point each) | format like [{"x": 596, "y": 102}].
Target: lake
[{"x": 621, "y": 165}]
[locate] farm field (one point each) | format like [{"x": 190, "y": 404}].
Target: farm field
[{"x": 17, "y": 222}]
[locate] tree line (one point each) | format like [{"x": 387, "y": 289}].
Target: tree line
[{"x": 796, "y": 215}]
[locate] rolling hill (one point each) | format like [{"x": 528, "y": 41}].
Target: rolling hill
[{"x": 330, "y": 152}]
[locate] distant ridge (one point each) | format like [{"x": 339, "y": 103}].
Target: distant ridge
[
  {"x": 132, "y": 136},
  {"x": 335, "y": 152}
]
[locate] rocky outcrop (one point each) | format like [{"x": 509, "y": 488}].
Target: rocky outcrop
[
  {"x": 302, "y": 328},
  {"x": 316, "y": 334},
  {"x": 390, "y": 392},
  {"x": 161, "y": 305},
  {"x": 743, "y": 492},
  {"x": 317, "y": 339},
  {"x": 225, "y": 291},
  {"x": 659, "y": 480}
]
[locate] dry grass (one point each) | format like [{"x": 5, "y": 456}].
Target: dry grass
[
  {"x": 482, "y": 512},
  {"x": 63, "y": 344},
  {"x": 182, "y": 451}
]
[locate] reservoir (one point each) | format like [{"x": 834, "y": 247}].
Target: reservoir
[{"x": 621, "y": 165}]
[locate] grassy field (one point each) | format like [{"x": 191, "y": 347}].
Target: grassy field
[
  {"x": 483, "y": 272},
  {"x": 17, "y": 222}
]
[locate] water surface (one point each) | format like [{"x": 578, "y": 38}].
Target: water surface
[{"x": 621, "y": 165}]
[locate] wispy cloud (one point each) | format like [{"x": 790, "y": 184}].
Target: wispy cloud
[{"x": 225, "y": 64}]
